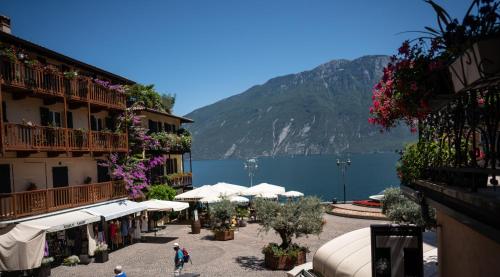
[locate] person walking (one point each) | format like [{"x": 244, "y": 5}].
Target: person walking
[
  {"x": 178, "y": 260},
  {"x": 119, "y": 271}
]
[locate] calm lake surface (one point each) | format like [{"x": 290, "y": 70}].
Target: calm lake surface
[{"x": 312, "y": 175}]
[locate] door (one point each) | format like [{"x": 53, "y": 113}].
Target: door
[
  {"x": 102, "y": 173},
  {"x": 60, "y": 176},
  {"x": 5, "y": 178}
]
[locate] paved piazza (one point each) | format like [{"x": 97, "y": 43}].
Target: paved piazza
[{"x": 239, "y": 257}]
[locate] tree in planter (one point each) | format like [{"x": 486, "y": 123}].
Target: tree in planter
[
  {"x": 292, "y": 219},
  {"x": 222, "y": 213},
  {"x": 400, "y": 209}
]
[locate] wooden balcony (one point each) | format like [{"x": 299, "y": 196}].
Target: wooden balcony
[
  {"x": 23, "y": 137},
  {"x": 178, "y": 180},
  {"x": 28, "y": 203},
  {"x": 107, "y": 141},
  {"x": 52, "y": 82}
]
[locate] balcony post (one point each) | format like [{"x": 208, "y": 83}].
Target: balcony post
[{"x": 1, "y": 121}]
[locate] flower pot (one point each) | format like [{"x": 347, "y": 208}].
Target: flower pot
[
  {"x": 101, "y": 257},
  {"x": 283, "y": 262},
  {"x": 242, "y": 223},
  {"x": 196, "y": 227},
  {"x": 479, "y": 61},
  {"x": 224, "y": 235},
  {"x": 43, "y": 271}
]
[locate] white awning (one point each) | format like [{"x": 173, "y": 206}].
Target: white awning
[
  {"x": 263, "y": 188},
  {"x": 21, "y": 248},
  {"x": 117, "y": 209},
  {"x": 163, "y": 205},
  {"x": 58, "y": 222},
  {"x": 197, "y": 194},
  {"x": 292, "y": 193},
  {"x": 228, "y": 189}
]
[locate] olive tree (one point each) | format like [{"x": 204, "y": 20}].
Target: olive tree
[
  {"x": 291, "y": 219},
  {"x": 223, "y": 211},
  {"x": 400, "y": 209}
]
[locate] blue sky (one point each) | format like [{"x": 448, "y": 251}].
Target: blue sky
[{"x": 205, "y": 51}]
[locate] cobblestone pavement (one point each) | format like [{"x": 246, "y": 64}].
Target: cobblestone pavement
[{"x": 239, "y": 257}]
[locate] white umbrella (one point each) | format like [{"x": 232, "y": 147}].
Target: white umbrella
[
  {"x": 292, "y": 193},
  {"x": 163, "y": 205},
  {"x": 196, "y": 194},
  {"x": 263, "y": 188},
  {"x": 238, "y": 199},
  {"x": 210, "y": 199},
  {"x": 228, "y": 189},
  {"x": 267, "y": 195}
]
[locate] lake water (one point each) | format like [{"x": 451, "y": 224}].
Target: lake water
[{"x": 312, "y": 175}]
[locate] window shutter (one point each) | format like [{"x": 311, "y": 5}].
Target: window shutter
[
  {"x": 93, "y": 123},
  {"x": 44, "y": 116},
  {"x": 4, "y": 111},
  {"x": 69, "y": 120},
  {"x": 57, "y": 119}
]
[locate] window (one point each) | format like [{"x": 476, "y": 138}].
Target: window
[
  {"x": 69, "y": 120},
  {"x": 95, "y": 123},
  {"x": 4, "y": 111},
  {"x": 50, "y": 118}
]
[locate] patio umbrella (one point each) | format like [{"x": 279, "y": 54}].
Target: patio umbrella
[
  {"x": 154, "y": 205},
  {"x": 238, "y": 199},
  {"x": 211, "y": 199},
  {"x": 267, "y": 195},
  {"x": 228, "y": 189},
  {"x": 263, "y": 188},
  {"x": 292, "y": 193},
  {"x": 196, "y": 194}
]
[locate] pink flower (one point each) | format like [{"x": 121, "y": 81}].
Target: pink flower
[{"x": 405, "y": 48}]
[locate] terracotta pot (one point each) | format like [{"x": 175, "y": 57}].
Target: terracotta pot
[
  {"x": 242, "y": 223},
  {"x": 195, "y": 227},
  {"x": 480, "y": 61},
  {"x": 283, "y": 262},
  {"x": 101, "y": 257},
  {"x": 224, "y": 235}
]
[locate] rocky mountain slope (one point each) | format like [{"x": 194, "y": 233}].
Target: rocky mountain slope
[{"x": 321, "y": 111}]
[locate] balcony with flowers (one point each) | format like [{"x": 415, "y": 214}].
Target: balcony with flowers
[
  {"x": 446, "y": 87},
  {"x": 173, "y": 143}
]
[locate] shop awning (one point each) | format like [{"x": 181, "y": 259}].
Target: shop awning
[
  {"x": 163, "y": 205},
  {"x": 117, "y": 209},
  {"x": 21, "y": 247},
  {"x": 62, "y": 221}
]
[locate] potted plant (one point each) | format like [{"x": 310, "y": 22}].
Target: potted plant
[
  {"x": 472, "y": 44},
  {"x": 222, "y": 213},
  {"x": 45, "y": 268},
  {"x": 292, "y": 219},
  {"x": 101, "y": 253},
  {"x": 71, "y": 260},
  {"x": 242, "y": 213}
]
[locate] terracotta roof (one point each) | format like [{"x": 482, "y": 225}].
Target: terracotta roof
[
  {"x": 183, "y": 119},
  {"x": 28, "y": 45}
]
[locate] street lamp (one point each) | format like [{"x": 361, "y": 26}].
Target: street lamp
[
  {"x": 343, "y": 166},
  {"x": 251, "y": 166}
]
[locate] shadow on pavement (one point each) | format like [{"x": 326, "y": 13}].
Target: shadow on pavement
[
  {"x": 250, "y": 262},
  {"x": 208, "y": 237},
  {"x": 158, "y": 240}
]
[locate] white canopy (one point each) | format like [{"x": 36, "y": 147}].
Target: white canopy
[
  {"x": 21, "y": 247},
  {"x": 197, "y": 193},
  {"x": 117, "y": 209},
  {"x": 58, "y": 222},
  {"x": 163, "y": 205},
  {"x": 267, "y": 195},
  {"x": 228, "y": 189},
  {"x": 377, "y": 197},
  {"x": 238, "y": 199},
  {"x": 263, "y": 188},
  {"x": 292, "y": 193},
  {"x": 350, "y": 255}
]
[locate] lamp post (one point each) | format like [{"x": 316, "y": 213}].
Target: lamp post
[
  {"x": 343, "y": 166},
  {"x": 251, "y": 166}
]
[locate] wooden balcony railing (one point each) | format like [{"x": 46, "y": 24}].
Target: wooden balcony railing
[
  {"x": 26, "y": 137},
  {"x": 102, "y": 95},
  {"x": 23, "y": 137},
  {"x": 177, "y": 180},
  {"x": 107, "y": 141},
  {"x": 28, "y": 203},
  {"x": 37, "y": 79},
  {"x": 52, "y": 82}
]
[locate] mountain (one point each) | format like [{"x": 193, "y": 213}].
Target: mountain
[{"x": 320, "y": 111}]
